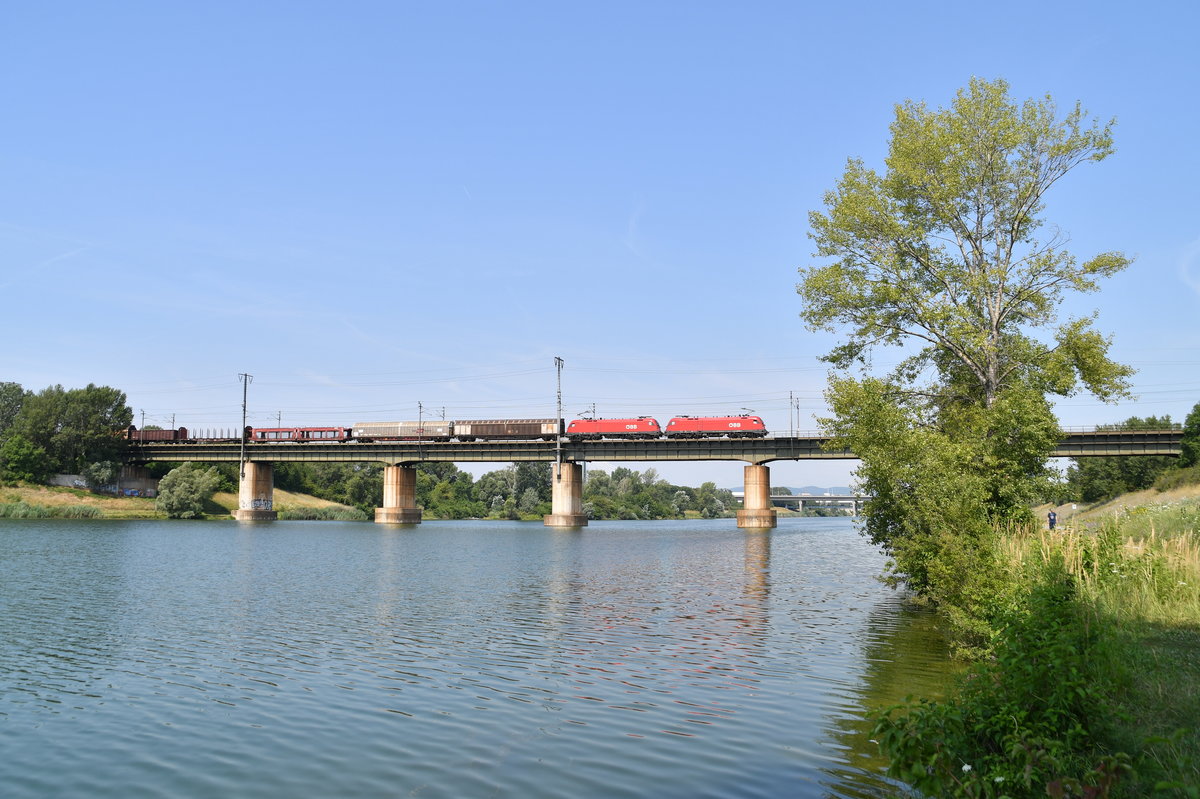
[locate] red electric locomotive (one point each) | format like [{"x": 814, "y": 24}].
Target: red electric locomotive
[
  {"x": 712, "y": 426},
  {"x": 594, "y": 429}
]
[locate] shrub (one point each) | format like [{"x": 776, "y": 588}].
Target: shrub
[
  {"x": 185, "y": 489},
  {"x": 1019, "y": 721}
]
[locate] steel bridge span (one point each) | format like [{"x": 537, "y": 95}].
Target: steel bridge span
[{"x": 256, "y": 501}]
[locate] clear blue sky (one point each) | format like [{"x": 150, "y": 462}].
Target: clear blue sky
[{"x": 367, "y": 205}]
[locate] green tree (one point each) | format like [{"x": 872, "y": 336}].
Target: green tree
[
  {"x": 529, "y": 500},
  {"x": 12, "y": 396},
  {"x": 75, "y": 427},
  {"x": 1189, "y": 445},
  {"x": 185, "y": 489},
  {"x": 942, "y": 251},
  {"x": 101, "y": 474},
  {"x": 21, "y": 459},
  {"x": 533, "y": 475},
  {"x": 493, "y": 488},
  {"x": 941, "y": 255}
]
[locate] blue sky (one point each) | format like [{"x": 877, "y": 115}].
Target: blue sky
[{"x": 367, "y": 205}]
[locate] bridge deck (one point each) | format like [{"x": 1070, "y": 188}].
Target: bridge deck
[{"x": 751, "y": 450}]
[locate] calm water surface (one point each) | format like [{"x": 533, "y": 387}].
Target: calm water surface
[{"x": 454, "y": 659}]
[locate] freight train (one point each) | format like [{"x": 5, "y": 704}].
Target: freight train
[{"x": 641, "y": 427}]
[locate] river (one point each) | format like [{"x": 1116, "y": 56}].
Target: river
[{"x": 453, "y": 659}]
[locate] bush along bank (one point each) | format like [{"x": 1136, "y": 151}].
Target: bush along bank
[{"x": 1091, "y": 684}]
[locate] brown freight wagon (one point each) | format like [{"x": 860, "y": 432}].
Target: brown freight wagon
[
  {"x": 472, "y": 429},
  {"x": 157, "y": 436}
]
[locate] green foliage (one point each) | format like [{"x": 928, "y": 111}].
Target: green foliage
[
  {"x": 941, "y": 255},
  {"x": 628, "y": 494},
  {"x": 12, "y": 396},
  {"x": 1099, "y": 479},
  {"x": 328, "y": 513},
  {"x": 1174, "y": 478},
  {"x": 103, "y": 473},
  {"x": 74, "y": 427},
  {"x": 942, "y": 249},
  {"x": 183, "y": 493},
  {"x": 24, "y": 510},
  {"x": 1023, "y": 723},
  {"x": 20, "y": 459},
  {"x": 1189, "y": 445},
  {"x": 941, "y": 480}
]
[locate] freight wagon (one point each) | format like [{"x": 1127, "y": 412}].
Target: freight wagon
[
  {"x": 401, "y": 431},
  {"x": 299, "y": 435},
  {"x": 491, "y": 429},
  {"x": 157, "y": 436}
]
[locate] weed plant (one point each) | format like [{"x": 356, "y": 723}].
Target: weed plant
[
  {"x": 25, "y": 510},
  {"x": 328, "y": 513}
]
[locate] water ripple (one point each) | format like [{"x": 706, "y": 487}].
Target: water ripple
[{"x": 464, "y": 659}]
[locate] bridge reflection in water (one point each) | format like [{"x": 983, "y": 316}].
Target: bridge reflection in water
[{"x": 255, "y": 500}]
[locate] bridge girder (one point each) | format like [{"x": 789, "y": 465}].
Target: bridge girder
[{"x": 1095, "y": 443}]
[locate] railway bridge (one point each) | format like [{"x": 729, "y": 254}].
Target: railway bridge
[{"x": 255, "y": 493}]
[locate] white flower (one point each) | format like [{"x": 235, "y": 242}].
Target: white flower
[
  {"x": 998, "y": 780},
  {"x": 966, "y": 767}
]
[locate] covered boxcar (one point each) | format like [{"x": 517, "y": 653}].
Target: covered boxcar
[
  {"x": 711, "y": 426},
  {"x": 472, "y": 429},
  {"x": 593, "y": 429},
  {"x": 426, "y": 430}
]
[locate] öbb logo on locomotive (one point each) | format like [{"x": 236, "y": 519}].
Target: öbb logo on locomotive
[{"x": 641, "y": 427}]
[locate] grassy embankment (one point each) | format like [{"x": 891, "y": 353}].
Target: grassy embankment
[
  {"x": 1093, "y": 684},
  {"x": 44, "y": 502}
]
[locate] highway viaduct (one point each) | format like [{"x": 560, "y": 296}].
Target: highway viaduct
[{"x": 255, "y": 494}]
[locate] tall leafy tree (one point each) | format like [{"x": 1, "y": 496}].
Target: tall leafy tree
[
  {"x": 12, "y": 396},
  {"x": 1189, "y": 445},
  {"x": 75, "y": 427},
  {"x": 945, "y": 256}
]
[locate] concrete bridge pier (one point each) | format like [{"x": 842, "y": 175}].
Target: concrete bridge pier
[
  {"x": 399, "y": 496},
  {"x": 566, "y": 496},
  {"x": 256, "y": 493},
  {"x": 757, "y": 512}
]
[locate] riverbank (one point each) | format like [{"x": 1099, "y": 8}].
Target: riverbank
[
  {"x": 53, "y": 501},
  {"x": 1092, "y": 684}
]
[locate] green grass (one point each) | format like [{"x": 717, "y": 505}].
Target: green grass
[
  {"x": 329, "y": 513},
  {"x": 25, "y": 510}
]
